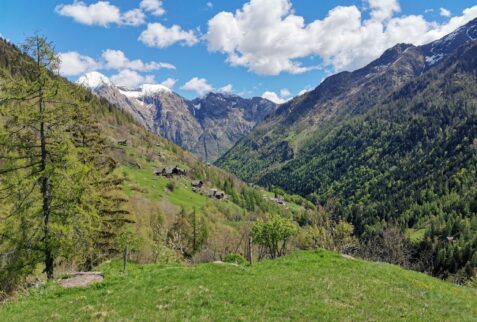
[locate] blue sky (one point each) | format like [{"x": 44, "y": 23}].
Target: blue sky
[{"x": 275, "y": 48}]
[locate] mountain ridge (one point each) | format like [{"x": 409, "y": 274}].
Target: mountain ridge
[
  {"x": 207, "y": 126},
  {"x": 338, "y": 98}
]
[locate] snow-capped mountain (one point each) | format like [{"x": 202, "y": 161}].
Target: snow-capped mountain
[
  {"x": 206, "y": 126},
  {"x": 439, "y": 49}
]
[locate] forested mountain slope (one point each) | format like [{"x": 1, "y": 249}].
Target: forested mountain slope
[
  {"x": 281, "y": 136},
  {"x": 396, "y": 147}
]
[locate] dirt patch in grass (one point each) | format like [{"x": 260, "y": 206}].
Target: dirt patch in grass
[{"x": 81, "y": 279}]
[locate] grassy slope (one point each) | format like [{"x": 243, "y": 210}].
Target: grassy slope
[{"x": 301, "y": 287}]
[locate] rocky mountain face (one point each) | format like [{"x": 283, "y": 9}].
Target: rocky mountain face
[
  {"x": 224, "y": 120},
  {"x": 207, "y": 126}
]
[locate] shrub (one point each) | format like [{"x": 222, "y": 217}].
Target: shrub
[
  {"x": 170, "y": 186},
  {"x": 273, "y": 235},
  {"x": 235, "y": 258}
]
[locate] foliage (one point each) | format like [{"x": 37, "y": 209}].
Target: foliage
[
  {"x": 235, "y": 259},
  {"x": 43, "y": 179},
  {"x": 59, "y": 195},
  {"x": 273, "y": 235},
  {"x": 170, "y": 186},
  {"x": 187, "y": 234}
]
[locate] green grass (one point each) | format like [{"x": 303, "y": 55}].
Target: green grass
[
  {"x": 304, "y": 286},
  {"x": 156, "y": 188}
]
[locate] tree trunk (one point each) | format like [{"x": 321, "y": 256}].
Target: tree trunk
[{"x": 45, "y": 185}]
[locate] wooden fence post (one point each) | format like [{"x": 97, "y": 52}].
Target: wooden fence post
[
  {"x": 250, "y": 248},
  {"x": 125, "y": 259}
]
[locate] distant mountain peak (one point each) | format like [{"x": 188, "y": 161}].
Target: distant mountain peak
[
  {"x": 207, "y": 126},
  {"x": 94, "y": 80},
  {"x": 145, "y": 90},
  {"x": 441, "y": 48}
]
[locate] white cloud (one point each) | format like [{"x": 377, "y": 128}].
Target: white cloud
[
  {"x": 198, "y": 85},
  {"x": 227, "y": 89},
  {"x": 284, "y": 92},
  {"x": 132, "y": 79},
  {"x": 267, "y": 37},
  {"x": 304, "y": 91},
  {"x": 152, "y": 6},
  {"x": 134, "y": 17},
  {"x": 169, "y": 83},
  {"x": 157, "y": 35},
  {"x": 101, "y": 13},
  {"x": 116, "y": 59},
  {"x": 445, "y": 12},
  {"x": 73, "y": 63},
  {"x": 383, "y": 9},
  {"x": 275, "y": 98}
]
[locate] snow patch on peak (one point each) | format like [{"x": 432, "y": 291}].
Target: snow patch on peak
[
  {"x": 432, "y": 60},
  {"x": 151, "y": 89},
  {"x": 144, "y": 90},
  {"x": 93, "y": 80}
]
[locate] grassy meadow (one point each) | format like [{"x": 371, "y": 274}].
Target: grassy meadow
[{"x": 304, "y": 286}]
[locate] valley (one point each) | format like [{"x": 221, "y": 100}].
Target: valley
[{"x": 203, "y": 161}]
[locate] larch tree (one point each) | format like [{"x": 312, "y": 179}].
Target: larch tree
[{"x": 43, "y": 180}]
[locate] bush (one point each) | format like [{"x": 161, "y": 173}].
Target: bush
[
  {"x": 235, "y": 258},
  {"x": 273, "y": 235},
  {"x": 170, "y": 186}
]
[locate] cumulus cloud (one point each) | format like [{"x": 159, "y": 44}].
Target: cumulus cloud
[
  {"x": 383, "y": 9},
  {"x": 133, "y": 17},
  {"x": 304, "y": 91},
  {"x": 169, "y": 83},
  {"x": 131, "y": 79},
  {"x": 267, "y": 37},
  {"x": 445, "y": 12},
  {"x": 129, "y": 72},
  {"x": 227, "y": 89},
  {"x": 157, "y": 35},
  {"x": 284, "y": 92},
  {"x": 275, "y": 98},
  {"x": 152, "y": 6},
  {"x": 101, "y": 13},
  {"x": 116, "y": 59},
  {"x": 198, "y": 85},
  {"x": 72, "y": 63}
]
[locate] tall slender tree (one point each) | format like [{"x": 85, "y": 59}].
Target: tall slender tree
[{"x": 42, "y": 178}]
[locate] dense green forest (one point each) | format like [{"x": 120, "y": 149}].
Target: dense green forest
[{"x": 409, "y": 162}]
